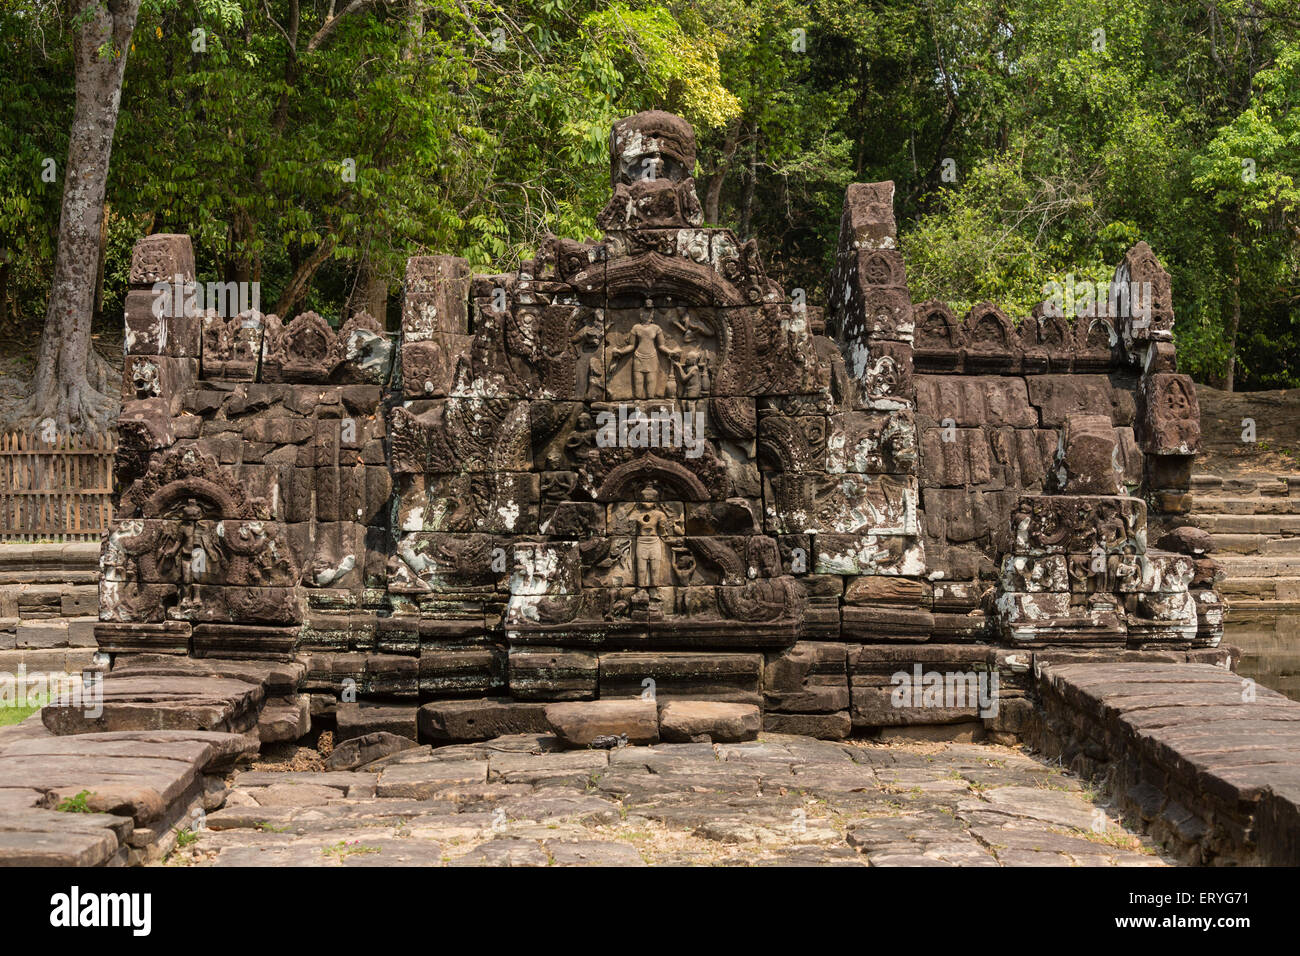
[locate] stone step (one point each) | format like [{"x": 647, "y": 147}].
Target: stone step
[
  {"x": 1263, "y": 589},
  {"x": 1273, "y": 525},
  {"x": 143, "y": 702},
  {"x": 158, "y": 691},
  {"x": 58, "y": 599},
  {"x": 74, "y": 554},
  {"x": 138, "y": 788},
  {"x": 51, "y": 576},
  {"x": 1281, "y": 546},
  {"x": 1215, "y": 505},
  {"x": 1245, "y": 614},
  {"x": 54, "y": 660},
  {"x": 1267, "y": 485},
  {"x": 1237, "y": 543},
  {"x": 1254, "y": 544},
  {"x": 48, "y": 633},
  {"x": 1259, "y": 566}
]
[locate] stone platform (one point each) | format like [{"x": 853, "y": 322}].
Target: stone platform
[
  {"x": 781, "y": 800},
  {"x": 49, "y": 605},
  {"x": 1200, "y": 761},
  {"x": 1206, "y": 759},
  {"x": 111, "y": 799}
]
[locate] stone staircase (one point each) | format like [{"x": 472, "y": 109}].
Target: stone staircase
[
  {"x": 1255, "y": 524},
  {"x": 49, "y": 606}
]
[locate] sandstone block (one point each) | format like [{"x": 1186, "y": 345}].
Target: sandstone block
[{"x": 579, "y": 723}]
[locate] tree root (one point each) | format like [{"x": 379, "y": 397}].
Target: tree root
[{"x": 76, "y": 408}]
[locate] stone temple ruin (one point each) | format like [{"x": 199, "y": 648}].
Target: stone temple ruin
[{"x": 638, "y": 463}]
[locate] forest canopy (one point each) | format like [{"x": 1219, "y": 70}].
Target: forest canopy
[{"x": 313, "y": 145}]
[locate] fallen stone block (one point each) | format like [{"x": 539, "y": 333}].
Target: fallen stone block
[
  {"x": 284, "y": 719},
  {"x": 357, "y": 720},
  {"x": 457, "y": 721},
  {"x": 578, "y": 723},
  {"x": 836, "y": 726},
  {"x": 359, "y": 751},
  {"x": 699, "y": 721}
]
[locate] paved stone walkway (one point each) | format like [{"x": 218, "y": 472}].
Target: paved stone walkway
[{"x": 515, "y": 801}]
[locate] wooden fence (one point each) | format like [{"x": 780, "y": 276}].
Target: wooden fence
[{"x": 59, "y": 491}]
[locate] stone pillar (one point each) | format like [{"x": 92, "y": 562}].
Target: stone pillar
[
  {"x": 435, "y": 324},
  {"x": 162, "y": 324},
  {"x": 1169, "y": 417},
  {"x": 869, "y": 313}
]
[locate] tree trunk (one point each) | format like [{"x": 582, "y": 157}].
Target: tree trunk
[
  {"x": 713, "y": 192},
  {"x": 1236, "y": 320},
  {"x": 751, "y": 183},
  {"x": 302, "y": 276},
  {"x": 103, "y": 263},
  {"x": 4, "y": 287},
  {"x": 370, "y": 293},
  {"x": 61, "y": 389}
]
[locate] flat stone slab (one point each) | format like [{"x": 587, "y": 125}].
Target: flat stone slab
[
  {"x": 137, "y": 774},
  {"x": 37, "y": 837},
  {"x": 777, "y": 800},
  {"x": 420, "y": 780},
  {"x": 582, "y": 723},
  {"x": 688, "y": 721},
  {"x": 163, "y": 702},
  {"x": 278, "y": 677},
  {"x": 1220, "y": 735},
  {"x": 339, "y": 780},
  {"x": 124, "y": 779}
]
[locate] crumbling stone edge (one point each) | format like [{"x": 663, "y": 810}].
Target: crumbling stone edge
[{"x": 1212, "y": 786}]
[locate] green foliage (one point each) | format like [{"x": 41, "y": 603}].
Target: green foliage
[
  {"x": 75, "y": 804},
  {"x": 1074, "y": 128}
]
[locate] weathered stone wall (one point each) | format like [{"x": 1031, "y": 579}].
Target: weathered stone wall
[
  {"x": 640, "y": 463},
  {"x": 1202, "y": 759},
  {"x": 48, "y": 607}
]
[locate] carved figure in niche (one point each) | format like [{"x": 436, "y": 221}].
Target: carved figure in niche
[
  {"x": 581, "y": 446},
  {"x": 689, "y": 327},
  {"x": 651, "y": 524},
  {"x": 190, "y": 547},
  {"x": 646, "y": 346},
  {"x": 693, "y": 372},
  {"x": 1126, "y": 567},
  {"x": 882, "y": 378},
  {"x": 1022, "y": 521},
  {"x": 1111, "y": 527},
  {"x": 590, "y": 381},
  {"x": 684, "y": 565},
  {"x": 1177, "y": 402},
  {"x": 608, "y": 559}
]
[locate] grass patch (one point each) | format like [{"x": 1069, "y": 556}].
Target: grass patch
[
  {"x": 343, "y": 849},
  {"x": 16, "y": 715}
]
